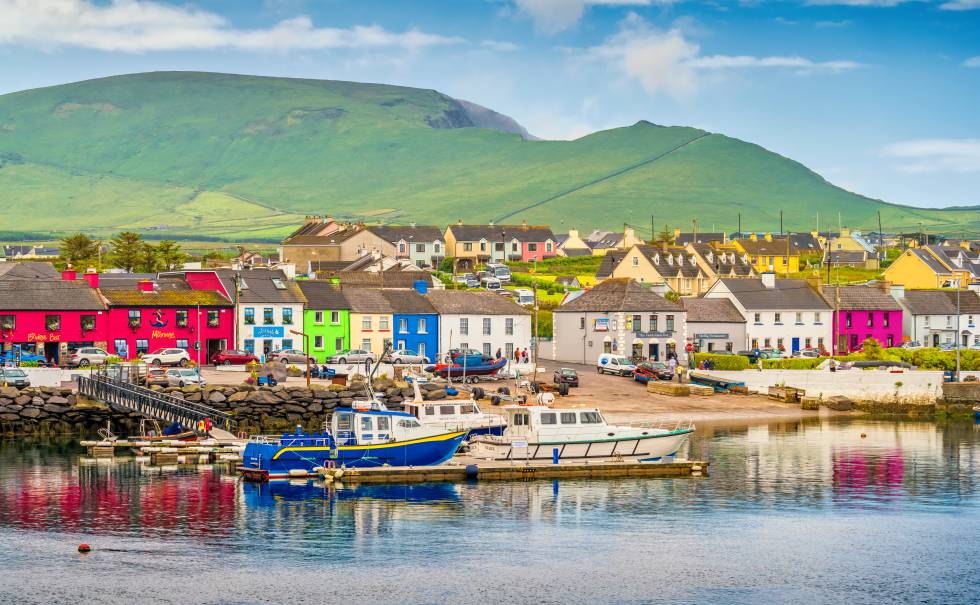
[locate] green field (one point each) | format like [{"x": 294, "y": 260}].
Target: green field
[{"x": 245, "y": 158}]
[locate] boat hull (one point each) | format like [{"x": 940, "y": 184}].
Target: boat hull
[
  {"x": 650, "y": 447},
  {"x": 456, "y": 370},
  {"x": 263, "y": 461}
]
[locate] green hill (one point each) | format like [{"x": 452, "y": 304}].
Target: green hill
[{"x": 241, "y": 157}]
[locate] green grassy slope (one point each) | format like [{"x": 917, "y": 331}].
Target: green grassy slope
[{"x": 243, "y": 156}]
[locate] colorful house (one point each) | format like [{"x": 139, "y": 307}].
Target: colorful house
[
  {"x": 863, "y": 312},
  {"x": 326, "y": 319},
  {"x": 770, "y": 254},
  {"x": 940, "y": 317},
  {"x": 472, "y": 245},
  {"x": 423, "y": 245},
  {"x": 269, "y": 309},
  {"x": 149, "y": 317},
  {"x": 917, "y": 268},
  {"x": 415, "y": 322},
  {"x": 484, "y": 321},
  {"x": 674, "y": 266},
  {"x": 370, "y": 319}
]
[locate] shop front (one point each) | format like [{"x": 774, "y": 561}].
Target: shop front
[{"x": 50, "y": 334}]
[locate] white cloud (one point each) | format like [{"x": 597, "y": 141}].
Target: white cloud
[
  {"x": 500, "y": 46},
  {"x": 553, "y": 16},
  {"x": 144, "y": 25},
  {"x": 885, "y": 3},
  {"x": 961, "y": 5},
  {"x": 972, "y": 62},
  {"x": 936, "y": 155},
  {"x": 669, "y": 63}
]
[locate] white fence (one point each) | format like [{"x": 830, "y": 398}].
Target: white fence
[{"x": 866, "y": 385}]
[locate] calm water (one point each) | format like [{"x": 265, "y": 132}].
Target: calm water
[{"x": 797, "y": 512}]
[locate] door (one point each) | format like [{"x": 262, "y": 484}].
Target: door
[
  {"x": 51, "y": 352},
  {"x": 796, "y": 345},
  {"x": 266, "y": 348},
  {"x": 935, "y": 340},
  {"x": 654, "y": 352}
]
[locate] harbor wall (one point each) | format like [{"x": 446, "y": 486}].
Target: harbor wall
[{"x": 864, "y": 385}]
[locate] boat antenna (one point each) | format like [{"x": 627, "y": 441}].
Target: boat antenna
[{"x": 370, "y": 381}]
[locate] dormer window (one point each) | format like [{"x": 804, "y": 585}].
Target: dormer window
[{"x": 636, "y": 261}]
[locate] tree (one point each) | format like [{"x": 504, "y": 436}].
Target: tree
[
  {"x": 128, "y": 251},
  {"x": 665, "y": 237},
  {"x": 872, "y": 349},
  {"x": 672, "y": 296},
  {"x": 170, "y": 255},
  {"x": 79, "y": 249},
  {"x": 149, "y": 260}
]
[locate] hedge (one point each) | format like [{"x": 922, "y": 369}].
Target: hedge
[
  {"x": 723, "y": 362},
  {"x": 797, "y": 363}
]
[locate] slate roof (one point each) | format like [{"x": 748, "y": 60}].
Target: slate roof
[
  {"x": 804, "y": 242},
  {"x": 408, "y": 233},
  {"x": 860, "y": 298},
  {"x": 667, "y": 263},
  {"x": 492, "y": 233},
  {"x": 330, "y": 239},
  {"x": 408, "y": 303},
  {"x": 702, "y": 238},
  {"x": 761, "y": 247},
  {"x": 848, "y": 257},
  {"x": 398, "y": 280},
  {"x": 941, "y": 302},
  {"x": 929, "y": 260},
  {"x": 130, "y": 281},
  {"x": 715, "y": 310},
  {"x": 165, "y": 298},
  {"x": 605, "y": 239},
  {"x": 619, "y": 294},
  {"x": 609, "y": 262},
  {"x": 786, "y": 294},
  {"x": 577, "y": 251},
  {"x": 367, "y": 300},
  {"x": 323, "y": 295},
  {"x": 260, "y": 287},
  {"x": 28, "y": 270},
  {"x": 48, "y": 295},
  {"x": 309, "y": 228},
  {"x": 467, "y": 302},
  {"x": 724, "y": 262}
]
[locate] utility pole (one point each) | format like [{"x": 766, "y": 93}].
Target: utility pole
[
  {"x": 653, "y": 230},
  {"x": 958, "y": 331},
  {"x": 739, "y": 225},
  {"x": 881, "y": 241},
  {"x": 780, "y": 222}
]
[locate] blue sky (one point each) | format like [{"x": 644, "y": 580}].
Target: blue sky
[{"x": 881, "y": 97}]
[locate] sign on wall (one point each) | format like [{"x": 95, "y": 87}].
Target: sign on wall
[
  {"x": 600, "y": 324},
  {"x": 711, "y": 336},
  {"x": 268, "y": 332}
]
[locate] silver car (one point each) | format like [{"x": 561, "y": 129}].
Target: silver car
[
  {"x": 182, "y": 377},
  {"x": 287, "y": 356},
  {"x": 86, "y": 356},
  {"x": 353, "y": 356},
  {"x": 407, "y": 356}
]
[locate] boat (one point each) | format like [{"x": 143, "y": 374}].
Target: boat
[
  {"x": 364, "y": 435},
  {"x": 539, "y": 432},
  {"x": 174, "y": 432},
  {"x": 467, "y": 362},
  {"x": 456, "y": 415}
]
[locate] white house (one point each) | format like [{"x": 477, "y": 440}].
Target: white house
[
  {"x": 934, "y": 317},
  {"x": 423, "y": 245},
  {"x": 785, "y": 314},
  {"x": 480, "y": 320},
  {"x": 269, "y": 309}
]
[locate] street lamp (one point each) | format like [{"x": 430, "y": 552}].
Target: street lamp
[{"x": 306, "y": 351}]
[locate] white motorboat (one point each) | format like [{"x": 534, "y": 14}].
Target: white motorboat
[
  {"x": 536, "y": 432},
  {"x": 454, "y": 414}
]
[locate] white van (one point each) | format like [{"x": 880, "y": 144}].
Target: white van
[
  {"x": 524, "y": 297},
  {"x": 612, "y": 363},
  {"x": 501, "y": 272}
]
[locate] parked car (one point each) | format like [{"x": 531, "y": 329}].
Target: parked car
[
  {"x": 168, "y": 357},
  {"x": 15, "y": 377},
  {"x": 231, "y": 357},
  {"x": 911, "y": 344},
  {"x": 808, "y": 353},
  {"x": 157, "y": 376},
  {"x": 491, "y": 283},
  {"x": 947, "y": 346},
  {"x": 18, "y": 355},
  {"x": 472, "y": 281},
  {"x": 407, "y": 356},
  {"x": 611, "y": 363},
  {"x": 182, "y": 377},
  {"x": 460, "y": 278},
  {"x": 287, "y": 356},
  {"x": 566, "y": 376},
  {"x": 86, "y": 356},
  {"x": 353, "y": 356},
  {"x": 652, "y": 370}
]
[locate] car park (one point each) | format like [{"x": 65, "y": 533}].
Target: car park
[
  {"x": 287, "y": 356},
  {"x": 472, "y": 281},
  {"x": 524, "y": 297},
  {"x": 168, "y": 357},
  {"x": 353, "y": 356},
  {"x": 490, "y": 283},
  {"x": 407, "y": 356},
  {"x": 231, "y": 357},
  {"x": 566, "y": 376},
  {"x": 86, "y": 356},
  {"x": 15, "y": 377},
  {"x": 611, "y": 363},
  {"x": 182, "y": 377}
]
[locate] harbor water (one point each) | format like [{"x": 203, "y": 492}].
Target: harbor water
[{"x": 801, "y": 512}]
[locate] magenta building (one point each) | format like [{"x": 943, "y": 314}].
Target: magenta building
[{"x": 862, "y": 312}]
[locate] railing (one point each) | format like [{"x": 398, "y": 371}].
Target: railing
[{"x": 151, "y": 403}]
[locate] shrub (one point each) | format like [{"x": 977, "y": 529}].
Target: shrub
[
  {"x": 807, "y": 363},
  {"x": 723, "y": 362},
  {"x": 872, "y": 350}
]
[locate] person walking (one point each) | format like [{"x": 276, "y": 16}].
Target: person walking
[
  {"x": 525, "y": 357},
  {"x": 672, "y": 365},
  {"x": 499, "y": 354}
]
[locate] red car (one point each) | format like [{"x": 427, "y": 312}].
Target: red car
[{"x": 233, "y": 357}]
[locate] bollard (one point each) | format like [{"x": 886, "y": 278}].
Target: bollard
[{"x": 554, "y": 455}]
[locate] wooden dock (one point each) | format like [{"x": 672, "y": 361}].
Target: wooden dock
[
  {"x": 168, "y": 451},
  {"x": 470, "y": 469}
]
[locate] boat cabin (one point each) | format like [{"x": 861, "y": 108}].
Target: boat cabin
[
  {"x": 442, "y": 411},
  {"x": 542, "y": 420}
]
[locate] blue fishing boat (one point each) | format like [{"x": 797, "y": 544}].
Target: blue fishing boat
[{"x": 364, "y": 435}]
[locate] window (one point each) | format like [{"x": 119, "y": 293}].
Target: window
[
  {"x": 181, "y": 317},
  {"x": 287, "y": 343},
  {"x": 183, "y": 344},
  {"x": 670, "y": 323},
  {"x": 318, "y": 317},
  {"x": 729, "y": 347},
  {"x": 318, "y": 342},
  {"x": 871, "y": 320},
  {"x": 581, "y": 323},
  {"x": 854, "y": 341},
  {"x": 547, "y": 247},
  {"x": 549, "y": 418},
  {"x": 384, "y": 423},
  {"x": 422, "y": 329},
  {"x": 366, "y": 424},
  {"x": 421, "y": 349},
  {"x": 420, "y": 248},
  {"x": 366, "y": 322},
  {"x": 590, "y": 418},
  {"x": 277, "y": 284},
  {"x": 847, "y": 320},
  {"x": 785, "y": 261},
  {"x": 214, "y": 318},
  {"x": 435, "y": 248},
  {"x": 927, "y": 321},
  {"x": 532, "y": 247},
  {"x": 779, "y": 343},
  {"x": 120, "y": 346},
  {"x": 8, "y": 322},
  {"x": 568, "y": 417},
  {"x": 486, "y": 326},
  {"x": 464, "y": 345},
  {"x": 335, "y": 317},
  {"x": 142, "y": 346},
  {"x": 513, "y": 247},
  {"x": 637, "y": 323},
  {"x": 768, "y": 342},
  {"x": 383, "y": 323},
  {"x": 464, "y": 326},
  {"x": 885, "y": 319},
  {"x": 366, "y": 344},
  {"x": 820, "y": 342},
  {"x": 400, "y": 345},
  {"x": 816, "y": 319},
  {"x": 338, "y": 344},
  {"x": 249, "y": 316},
  {"x": 287, "y": 315},
  {"x": 402, "y": 326},
  {"x": 87, "y": 323},
  {"x": 483, "y": 246},
  {"x": 499, "y": 246},
  {"x": 486, "y": 349},
  {"x": 755, "y": 343},
  {"x": 268, "y": 318},
  {"x": 758, "y": 318},
  {"x": 509, "y": 350},
  {"x": 808, "y": 343},
  {"x": 249, "y": 345},
  {"x": 467, "y": 247},
  {"x": 778, "y": 317},
  {"x": 134, "y": 318},
  {"x": 447, "y": 410},
  {"x": 949, "y": 321},
  {"x": 653, "y": 323},
  {"x": 636, "y": 261},
  {"x": 799, "y": 319},
  {"x": 509, "y": 325}
]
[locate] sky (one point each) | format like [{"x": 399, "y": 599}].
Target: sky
[{"x": 881, "y": 97}]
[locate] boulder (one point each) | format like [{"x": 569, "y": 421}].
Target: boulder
[
  {"x": 9, "y": 417},
  {"x": 839, "y": 403},
  {"x": 291, "y": 407},
  {"x": 57, "y": 400},
  {"x": 37, "y": 402},
  {"x": 264, "y": 397},
  {"x": 23, "y": 400},
  {"x": 238, "y": 396},
  {"x": 9, "y": 392},
  {"x": 315, "y": 408},
  {"x": 13, "y": 407},
  {"x": 436, "y": 394},
  {"x": 217, "y": 397},
  {"x": 30, "y": 413},
  {"x": 56, "y": 409}
]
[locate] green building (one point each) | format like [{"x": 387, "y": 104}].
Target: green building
[{"x": 326, "y": 319}]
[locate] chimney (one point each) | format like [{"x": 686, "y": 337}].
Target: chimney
[
  {"x": 69, "y": 274},
  {"x": 573, "y": 233},
  {"x": 91, "y": 277},
  {"x": 524, "y": 224},
  {"x": 768, "y": 236},
  {"x": 144, "y": 285},
  {"x": 897, "y": 291},
  {"x": 844, "y": 232},
  {"x": 412, "y": 224},
  {"x": 677, "y": 232},
  {"x": 769, "y": 280},
  {"x": 814, "y": 234},
  {"x": 753, "y": 237},
  {"x": 421, "y": 286},
  {"x": 459, "y": 221}
]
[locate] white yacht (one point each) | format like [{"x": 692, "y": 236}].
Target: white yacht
[
  {"x": 535, "y": 432},
  {"x": 457, "y": 415}
]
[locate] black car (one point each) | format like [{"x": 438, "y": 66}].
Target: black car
[{"x": 566, "y": 376}]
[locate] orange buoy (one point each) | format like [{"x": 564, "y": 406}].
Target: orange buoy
[{"x": 84, "y": 548}]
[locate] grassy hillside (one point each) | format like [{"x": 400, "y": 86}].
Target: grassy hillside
[{"x": 247, "y": 157}]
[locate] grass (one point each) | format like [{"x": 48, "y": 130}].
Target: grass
[
  {"x": 164, "y": 148},
  {"x": 842, "y": 275}
]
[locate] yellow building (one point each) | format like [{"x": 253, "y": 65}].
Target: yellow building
[
  {"x": 671, "y": 265},
  {"x": 370, "y": 320},
  {"x": 770, "y": 254},
  {"x": 919, "y": 268},
  {"x": 604, "y": 242}
]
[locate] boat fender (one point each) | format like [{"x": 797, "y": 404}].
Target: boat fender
[
  {"x": 83, "y": 548},
  {"x": 297, "y": 472},
  {"x": 337, "y": 474},
  {"x": 494, "y": 400},
  {"x": 478, "y": 393},
  {"x": 472, "y": 472}
]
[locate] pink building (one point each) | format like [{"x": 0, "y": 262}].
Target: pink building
[
  {"x": 863, "y": 312},
  {"x": 148, "y": 315}
]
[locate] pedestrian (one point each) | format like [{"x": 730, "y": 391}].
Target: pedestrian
[
  {"x": 517, "y": 355},
  {"x": 672, "y": 365},
  {"x": 499, "y": 354},
  {"x": 526, "y": 356},
  {"x": 207, "y": 425},
  {"x": 680, "y": 374}
]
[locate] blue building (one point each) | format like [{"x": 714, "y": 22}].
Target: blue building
[{"x": 415, "y": 322}]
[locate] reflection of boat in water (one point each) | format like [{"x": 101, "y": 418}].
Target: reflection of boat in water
[
  {"x": 538, "y": 431},
  {"x": 467, "y": 362},
  {"x": 273, "y": 492}
]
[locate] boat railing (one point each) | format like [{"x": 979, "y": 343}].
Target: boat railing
[
  {"x": 667, "y": 424},
  {"x": 469, "y": 421}
]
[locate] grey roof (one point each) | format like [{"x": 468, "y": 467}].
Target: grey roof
[
  {"x": 929, "y": 260},
  {"x": 396, "y": 280},
  {"x": 700, "y": 238},
  {"x": 941, "y": 302},
  {"x": 28, "y": 270},
  {"x": 848, "y": 257},
  {"x": 323, "y": 295},
  {"x": 367, "y": 300},
  {"x": 408, "y": 302},
  {"x": 958, "y": 258},
  {"x": 805, "y": 242},
  {"x": 618, "y": 294},
  {"x": 860, "y": 298},
  {"x": 408, "y": 233},
  {"x": 668, "y": 262},
  {"x": 786, "y": 294},
  {"x": 48, "y": 295},
  {"x": 258, "y": 286},
  {"x": 16, "y": 249},
  {"x": 605, "y": 239},
  {"x": 577, "y": 251},
  {"x": 496, "y": 233},
  {"x": 761, "y": 247},
  {"x": 469, "y": 302},
  {"x": 724, "y": 262},
  {"x": 716, "y": 310},
  {"x": 609, "y": 262}
]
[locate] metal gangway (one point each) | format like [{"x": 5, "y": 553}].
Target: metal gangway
[{"x": 120, "y": 392}]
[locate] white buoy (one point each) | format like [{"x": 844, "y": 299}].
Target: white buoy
[{"x": 297, "y": 472}]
